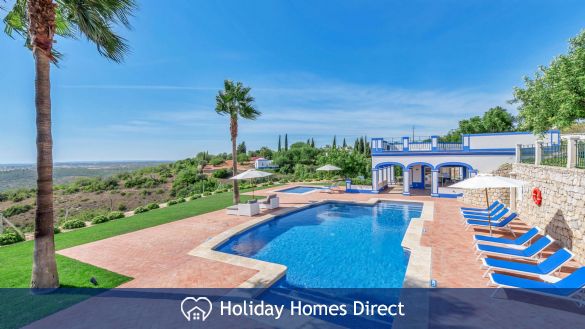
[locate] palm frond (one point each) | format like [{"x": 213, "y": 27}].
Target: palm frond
[
  {"x": 15, "y": 22},
  {"x": 94, "y": 19}
]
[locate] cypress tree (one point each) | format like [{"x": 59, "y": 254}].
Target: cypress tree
[
  {"x": 279, "y": 146},
  {"x": 368, "y": 148},
  {"x": 286, "y": 142},
  {"x": 334, "y": 142},
  {"x": 344, "y": 143},
  {"x": 312, "y": 142}
]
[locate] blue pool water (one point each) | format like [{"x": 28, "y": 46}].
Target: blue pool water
[
  {"x": 333, "y": 245},
  {"x": 300, "y": 189}
]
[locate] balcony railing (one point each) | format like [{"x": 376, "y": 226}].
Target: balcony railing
[
  {"x": 416, "y": 144},
  {"x": 420, "y": 146},
  {"x": 450, "y": 146},
  {"x": 527, "y": 153},
  {"x": 580, "y": 154},
  {"x": 569, "y": 153},
  {"x": 554, "y": 154}
]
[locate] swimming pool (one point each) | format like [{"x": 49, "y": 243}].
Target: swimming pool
[
  {"x": 333, "y": 245},
  {"x": 301, "y": 189}
]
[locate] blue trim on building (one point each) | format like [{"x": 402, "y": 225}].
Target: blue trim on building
[
  {"x": 449, "y": 196},
  {"x": 454, "y": 164},
  {"x": 388, "y": 164},
  {"x": 424, "y": 153},
  {"x": 420, "y": 163},
  {"x": 418, "y": 185},
  {"x": 502, "y": 133}
]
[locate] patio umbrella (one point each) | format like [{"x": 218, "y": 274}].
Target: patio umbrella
[
  {"x": 486, "y": 181},
  {"x": 328, "y": 167},
  {"x": 251, "y": 174}
]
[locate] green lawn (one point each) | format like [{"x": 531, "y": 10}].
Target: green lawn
[
  {"x": 21, "y": 308},
  {"x": 16, "y": 260}
]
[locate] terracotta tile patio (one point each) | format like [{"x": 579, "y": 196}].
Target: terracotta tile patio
[{"x": 157, "y": 257}]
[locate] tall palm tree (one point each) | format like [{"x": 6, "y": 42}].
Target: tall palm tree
[
  {"x": 37, "y": 22},
  {"x": 235, "y": 101}
]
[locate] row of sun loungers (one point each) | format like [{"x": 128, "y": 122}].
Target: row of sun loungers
[{"x": 528, "y": 246}]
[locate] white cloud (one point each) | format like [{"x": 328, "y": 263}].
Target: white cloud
[{"x": 305, "y": 106}]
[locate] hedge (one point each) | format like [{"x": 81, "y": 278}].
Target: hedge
[
  {"x": 73, "y": 223},
  {"x": 10, "y": 237}
]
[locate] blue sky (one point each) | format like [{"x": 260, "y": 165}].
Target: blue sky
[{"x": 316, "y": 68}]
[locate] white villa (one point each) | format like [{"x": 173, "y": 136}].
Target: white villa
[
  {"x": 262, "y": 163},
  {"x": 429, "y": 164}
]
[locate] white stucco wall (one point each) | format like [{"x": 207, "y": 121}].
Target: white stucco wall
[{"x": 506, "y": 141}]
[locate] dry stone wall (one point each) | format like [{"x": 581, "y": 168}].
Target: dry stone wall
[
  {"x": 476, "y": 198},
  {"x": 562, "y": 213}
]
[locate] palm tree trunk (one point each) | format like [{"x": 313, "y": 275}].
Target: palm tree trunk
[
  {"x": 234, "y": 133},
  {"x": 44, "y": 270}
]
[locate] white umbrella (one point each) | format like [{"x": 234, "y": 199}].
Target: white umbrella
[
  {"x": 486, "y": 181},
  {"x": 328, "y": 168},
  {"x": 251, "y": 174}
]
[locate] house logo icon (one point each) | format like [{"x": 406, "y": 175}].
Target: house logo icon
[{"x": 197, "y": 309}]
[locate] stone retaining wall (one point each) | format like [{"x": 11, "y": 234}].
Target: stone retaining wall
[
  {"x": 476, "y": 198},
  {"x": 562, "y": 213}
]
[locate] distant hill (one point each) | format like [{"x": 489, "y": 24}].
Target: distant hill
[{"x": 14, "y": 176}]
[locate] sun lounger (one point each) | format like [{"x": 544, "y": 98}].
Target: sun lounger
[
  {"x": 492, "y": 211},
  {"x": 527, "y": 253},
  {"x": 271, "y": 202},
  {"x": 495, "y": 212},
  {"x": 494, "y": 224},
  {"x": 492, "y": 206},
  {"x": 542, "y": 269},
  {"x": 570, "y": 287},
  {"x": 521, "y": 240}
]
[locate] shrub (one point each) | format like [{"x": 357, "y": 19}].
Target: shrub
[
  {"x": 243, "y": 158},
  {"x": 160, "y": 191},
  {"x": 206, "y": 193},
  {"x": 195, "y": 196},
  {"x": 122, "y": 207},
  {"x": 142, "y": 181},
  {"x": 115, "y": 215},
  {"x": 140, "y": 210},
  {"x": 17, "y": 195},
  {"x": 152, "y": 206},
  {"x": 73, "y": 223},
  {"x": 221, "y": 173},
  {"x": 216, "y": 161},
  {"x": 172, "y": 203},
  {"x": 56, "y": 230},
  {"x": 10, "y": 237},
  {"x": 100, "y": 219},
  {"x": 16, "y": 209}
]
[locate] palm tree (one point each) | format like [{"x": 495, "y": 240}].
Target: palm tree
[
  {"x": 235, "y": 101},
  {"x": 37, "y": 22}
]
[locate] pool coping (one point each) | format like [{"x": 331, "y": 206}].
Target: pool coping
[{"x": 418, "y": 270}]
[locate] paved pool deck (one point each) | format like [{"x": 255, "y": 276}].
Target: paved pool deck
[{"x": 158, "y": 257}]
